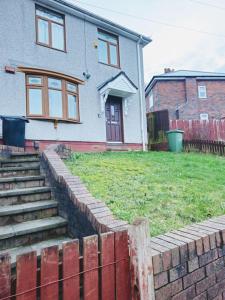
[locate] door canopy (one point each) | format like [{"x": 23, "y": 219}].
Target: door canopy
[{"x": 119, "y": 86}]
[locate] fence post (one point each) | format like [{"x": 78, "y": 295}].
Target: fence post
[{"x": 142, "y": 285}]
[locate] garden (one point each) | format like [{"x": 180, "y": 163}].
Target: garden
[{"x": 171, "y": 190}]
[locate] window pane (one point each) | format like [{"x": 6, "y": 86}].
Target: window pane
[
  {"x": 113, "y": 55},
  {"x": 204, "y": 117},
  {"x": 55, "y": 103},
  {"x": 43, "y": 34},
  {"x": 34, "y": 80},
  {"x": 53, "y": 16},
  {"x": 202, "y": 92},
  {"x": 54, "y": 83},
  {"x": 57, "y": 36},
  {"x": 108, "y": 37},
  {"x": 72, "y": 107},
  {"x": 102, "y": 52},
  {"x": 71, "y": 87},
  {"x": 35, "y": 101}
]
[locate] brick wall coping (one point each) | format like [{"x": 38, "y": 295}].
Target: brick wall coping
[{"x": 95, "y": 210}]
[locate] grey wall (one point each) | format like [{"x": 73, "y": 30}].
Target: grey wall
[{"x": 18, "y": 47}]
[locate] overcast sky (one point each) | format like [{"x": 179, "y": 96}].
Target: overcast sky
[{"x": 172, "y": 47}]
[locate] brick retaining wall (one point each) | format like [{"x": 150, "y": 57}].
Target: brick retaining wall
[
  {"x": 95, "y": 211},
  {"x": 190, "y": 263}
]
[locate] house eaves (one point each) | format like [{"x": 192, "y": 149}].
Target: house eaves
[
  {"x": 103, "y": 23},
  {"x": 157, "y": 78},
  {"x": 176, "y": 78}
]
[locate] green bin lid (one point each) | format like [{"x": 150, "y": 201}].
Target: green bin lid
[{"x": 174, "y": 131}]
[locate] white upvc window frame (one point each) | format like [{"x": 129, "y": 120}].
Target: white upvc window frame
[
  {"x": 202, "y": 91},
  {"x": 204, "y": 117}
]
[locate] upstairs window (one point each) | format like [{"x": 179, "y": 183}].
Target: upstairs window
[
  {"x": 50, "y": 97},
  {"x": 108, "y": 49},
  {"x": 50, "y": 29},
  {"x": 202, "y": 94}
]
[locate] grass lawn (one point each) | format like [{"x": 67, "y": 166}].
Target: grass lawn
[{"x": 171, "y": 190}]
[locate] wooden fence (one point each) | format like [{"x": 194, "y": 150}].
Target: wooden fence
[
  {"x": 213, "y": 130},
  {"x": 205, "y": 146},
  {"x": 101, "y": 272}
]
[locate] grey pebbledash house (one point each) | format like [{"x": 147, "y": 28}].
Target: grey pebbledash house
[{"x": 77, "y": 76}]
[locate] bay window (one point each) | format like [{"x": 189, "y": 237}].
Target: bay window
[{"x": 51, "y": 97}]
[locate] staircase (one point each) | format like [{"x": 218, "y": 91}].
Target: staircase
[{"x": 29, "y": 219}]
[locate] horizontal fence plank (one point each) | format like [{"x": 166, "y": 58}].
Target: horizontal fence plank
[
  {"x": 26, "y": 276},
  {"x": 5, "y": 276},
  {"x": 90, "y": 266},
  {"x": 71, "y": 269},
  {"x": 49, "y": 273}
]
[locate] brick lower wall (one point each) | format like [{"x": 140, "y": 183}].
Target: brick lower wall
[
  {"x": 190, "y": 263},
  {"x": 83, "y": 146}
]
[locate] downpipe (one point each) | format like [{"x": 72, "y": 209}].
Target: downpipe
[{"x": 141, "y": 99}]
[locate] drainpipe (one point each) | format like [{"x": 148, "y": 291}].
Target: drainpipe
[{"x": 141, "y": 85}]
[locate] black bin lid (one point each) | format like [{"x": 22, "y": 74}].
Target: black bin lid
[{"x": 14, "y": 118}]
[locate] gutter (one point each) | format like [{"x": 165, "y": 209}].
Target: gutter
[
  {"x": 141, "y": 92},
  {"x": 63, "y": 6}
]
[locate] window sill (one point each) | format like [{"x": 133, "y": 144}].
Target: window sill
[
  {"x": 49, "y": 47},
  {"x": 116, "y": 67},
  {"x": 54, "y": 120}
]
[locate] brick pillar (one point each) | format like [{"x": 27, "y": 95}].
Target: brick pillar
[
  {"x": 191, "y": 110},
  {"x": 191, "y": 89}
]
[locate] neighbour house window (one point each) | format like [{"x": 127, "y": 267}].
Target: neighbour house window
[
  {"x": 108, "y": 49},
  {"x": 204, "y": 117},
  {"x": 50, "y": 28},
  {"x": 151, "y": 100},
  {"x": 202, "y": 92},
  {"x": 52, "y": 98}
]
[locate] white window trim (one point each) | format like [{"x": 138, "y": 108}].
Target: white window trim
[
  {"x": 151, "y": 100},
  {"x": 204, "y": 117},
  {"x": 200, "y": 96}
]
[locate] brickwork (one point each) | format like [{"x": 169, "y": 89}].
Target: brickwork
[
  {"x": 183, "y": 94},
  {"x": 95, "y": 211},
  {"x": 85, "y": 146},
  {"x": 190, "y": 263}
]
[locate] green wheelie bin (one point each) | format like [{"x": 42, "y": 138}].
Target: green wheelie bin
[{"x": 175, "y": 140}]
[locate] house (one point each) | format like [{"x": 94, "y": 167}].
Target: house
[
  {"x": 187, "y": 94},
  {"x": 76, "y": 76}
]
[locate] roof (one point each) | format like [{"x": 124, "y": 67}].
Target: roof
[
  {"x": 115, "y": 77},
  {"x": 181, "y": 75},
  {"x": 188, "y": 73},
  {"x": 95, "y": 19}
]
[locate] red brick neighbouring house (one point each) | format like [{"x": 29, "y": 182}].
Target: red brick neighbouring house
[{"x": 187, "y": 94}]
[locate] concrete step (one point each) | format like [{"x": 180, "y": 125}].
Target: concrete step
[
  {"x": 14, "y": 252},
  {"x": 19, "y": 162},
  {"x": 18, "y": 196},
  {"x": 10, "y": 183},
  {"x": 14, "y": 214},
  {"x": 19, "y": 171},
  {"x": 30, "y": 232},
  {"x": 25, "y": 155}
]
